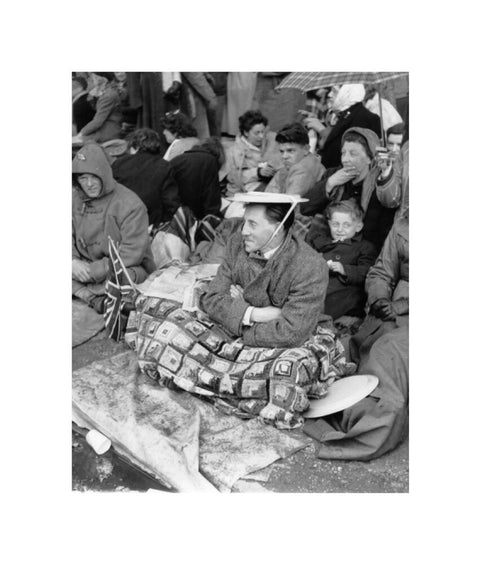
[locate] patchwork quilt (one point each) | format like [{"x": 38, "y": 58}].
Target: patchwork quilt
[{"x": 187, "y": 350}]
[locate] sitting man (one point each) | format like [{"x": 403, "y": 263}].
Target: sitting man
[
  {"x": 103, "y": 208},
  {"x": 270, "y": 288},
  {"x": 301, "y": 169}
]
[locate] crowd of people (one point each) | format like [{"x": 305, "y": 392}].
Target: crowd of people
[{"x": 317, "y": 211}]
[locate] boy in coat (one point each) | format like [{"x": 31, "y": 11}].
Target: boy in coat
[
  {"x": 301, "y": 169},
  {"x": 348, "y": 257}
]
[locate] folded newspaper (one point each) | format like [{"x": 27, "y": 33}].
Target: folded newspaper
[{"x": 183, "y": 283}]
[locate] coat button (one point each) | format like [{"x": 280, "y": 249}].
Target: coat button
[{"x": 337, "y": 257}]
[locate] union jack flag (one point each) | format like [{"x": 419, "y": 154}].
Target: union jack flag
[{"x": 119, "y": 285}]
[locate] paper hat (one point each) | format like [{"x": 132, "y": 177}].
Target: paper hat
[{"x": 267, "y": 198}]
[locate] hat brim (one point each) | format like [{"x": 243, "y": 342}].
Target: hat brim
[
  {"x": 266, "y": 198},
  {"x": 342, "y": 394}
]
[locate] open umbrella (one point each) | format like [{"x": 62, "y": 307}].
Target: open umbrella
[{"x": 306, "y": 81}]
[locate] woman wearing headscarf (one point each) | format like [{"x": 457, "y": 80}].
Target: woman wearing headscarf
[
  {"x": 359, "y": 178},
  {"x": 350, "y": 111}
]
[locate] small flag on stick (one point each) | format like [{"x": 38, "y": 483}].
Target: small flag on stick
[{"x": 119, "y": 285}]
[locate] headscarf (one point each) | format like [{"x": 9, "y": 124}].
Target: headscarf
[
  {"x": 348, "y": 95},
  {"x": 390, "y": 116}
]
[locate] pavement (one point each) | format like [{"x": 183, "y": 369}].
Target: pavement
[{"x": 301, "y": 472}]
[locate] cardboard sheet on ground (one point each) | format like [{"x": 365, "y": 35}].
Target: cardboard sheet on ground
[
  {"x": 181, "y": 440},
  {"x": 86, "y": 323}
]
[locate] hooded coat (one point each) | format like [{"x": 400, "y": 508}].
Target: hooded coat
[
  {"x": 294, "y": 279},
  {"x": 375, "y": 196},
  {"x": 117, "y": 212}
]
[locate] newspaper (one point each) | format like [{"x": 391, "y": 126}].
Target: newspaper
[{"x": 182, "y": 283}]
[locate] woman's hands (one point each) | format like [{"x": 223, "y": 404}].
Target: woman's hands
[
  {"x": 340, "y": 177},
  {"x": 314, "y": 123}
]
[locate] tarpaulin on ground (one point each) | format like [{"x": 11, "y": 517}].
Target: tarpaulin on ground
[
  {"x": 184, "y": 442},
  {"x": 86, "y": 323}
]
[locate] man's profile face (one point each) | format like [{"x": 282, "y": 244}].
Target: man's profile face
[
  {"x": 257, "y": 228},
  {"x": 292, "y": 153},
  {"x": 394, "y": 142},
  {"x": 91, "y": 184}
]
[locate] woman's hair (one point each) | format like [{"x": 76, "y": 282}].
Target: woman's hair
[
  {"x": 345, "y": 206},
  {"x": 397, "y": 129},
  {"x": 145, "y": 140},
  {"x": 214, "y": 146},
  {"x": 293, "y": 133},
  {"x": 178, "y": 124},
  {"x": 354, "y": 137},
  {"x": 250, "y": 119}
]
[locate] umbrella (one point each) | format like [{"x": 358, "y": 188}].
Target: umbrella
[
  {"x": 313, "y": 80},
  {"x": 306, "y": 81}
]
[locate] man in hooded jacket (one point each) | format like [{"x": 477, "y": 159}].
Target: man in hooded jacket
[{"x": 101, "y": 207}]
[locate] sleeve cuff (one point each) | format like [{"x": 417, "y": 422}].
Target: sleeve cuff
[{"x": 247, "y": 317}]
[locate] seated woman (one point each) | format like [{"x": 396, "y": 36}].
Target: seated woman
[
  {"x": 107, "y": 121},
  {"x": 179, "y": 133},
  {"x": 101, "y": 208},
  {"x": 196, "y": 175},
  {"x": 148, "y": 175},
  {"x": 253, "y": 158},
  {"x": 359, "y": 178},
  {"x": 350, "y": 112}
]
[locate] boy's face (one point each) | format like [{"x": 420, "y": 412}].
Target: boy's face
[
  {"x": 343, "y": 226},
  {"x": 394, "y": 142},
  {"x": 292, "y": 153}
]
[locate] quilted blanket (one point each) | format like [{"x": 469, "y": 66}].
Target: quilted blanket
[{"x": 187, "y": 350}]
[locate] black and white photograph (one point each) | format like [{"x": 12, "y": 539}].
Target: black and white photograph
[
  {"x": 240, "y": 281},
  {"x": 207, "y": 247}
]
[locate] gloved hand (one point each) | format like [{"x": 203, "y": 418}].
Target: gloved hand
[
  {"x": 387, "y": 310},
  {"x": 382, "y": 309}
]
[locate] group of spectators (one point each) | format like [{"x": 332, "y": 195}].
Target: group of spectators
[{"x": 351, "y": 195}]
